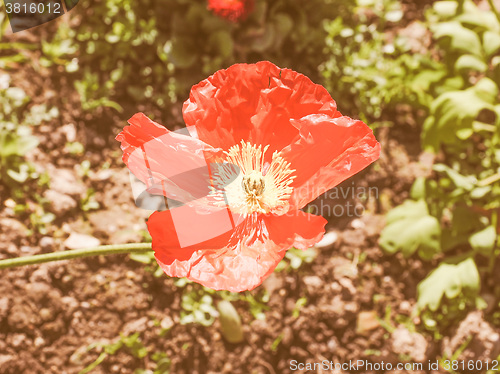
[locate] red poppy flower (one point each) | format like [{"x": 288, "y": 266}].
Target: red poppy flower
[
  {"x": 268, "y": 141},
  {"x": 232, "y": 10}
]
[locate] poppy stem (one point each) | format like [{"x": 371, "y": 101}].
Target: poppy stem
[{"x": 76, "y": 253}]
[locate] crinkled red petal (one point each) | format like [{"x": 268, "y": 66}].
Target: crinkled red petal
[
  {"x": 255, "y": 103},
  {"x": 169, "y": 163},
  {"x": 327, "y": 152},
  {"x": 238, "y": 260}
]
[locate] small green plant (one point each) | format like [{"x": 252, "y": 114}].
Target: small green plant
[
  {"x": 275, "y": 344},
  {"x": 364, "y": 66},
  {"x": 88, "y": 202},
  {"x": 133, "y": 345},
  {"x": 40, "y": 220},
  {"x": 387, "y": 322},
  {"x": 453, "y": 213},
  {"x": 162, "y": 362},
  {"x": 295, "y": 258},
  {"x": 75, "y": 148},
  {"x": 35, "y": 211},
  {"x": 446, "y": 362},
  {"x": 16, "y": 138},
  {"x": 448, "y": 293},
  {"x": 197, "y": 307},
  {"x": 149, "y": 260},
  {"x": 257, "y": 304},
  {"x": 12, "y": 53},
  {"x": 83, "y": 169},
  {"x": 299, "y": 304}
]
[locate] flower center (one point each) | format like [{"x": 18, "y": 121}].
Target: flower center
[{"x": 255, "y": 185}]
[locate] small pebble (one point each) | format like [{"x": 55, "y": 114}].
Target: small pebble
[
  {"x": 328, "y": 239},
  {"x": 47, "y": 243},
  {"x": 357, "y": 224}
]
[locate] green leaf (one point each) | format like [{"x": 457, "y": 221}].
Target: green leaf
[
  {"x": 449, "y": 114},
  {"x": 484, "y": 241},
  {"x": 466, "y": 63},
  {"x": 464, "y": 222},
  {"x": 457, "y": 38},
  {"x": 445, "y": 9},
  {"x": 495, "y": 63},
  {"x": 265, "y": 40},
  {"x": 476, "y": 19},
  {"x": 21, "y": 175},
  {"x": 394, "y": 15},
  {"x": 136, "y": 92},
  {"x": 144, "y": 258},
  {"x": 16, "y": 143},
  {"x": 16, "y": 94},
  {"x": 113, "y": 347},
  {"x": 491, "y": 42},
  {"x": 223, "y": 42},
  {"x": 94, "y": 364},
  {"x": 111, "y": 104},
  {"x": 408, "y": 209},
  {"x": 26, "y": 144},
  {"x": 283, "y": 23},
  {"x": 460, "y": 181},
  {"x": 448, "y": 280},
  {"x": 487, "y": 90},
  {"x": 464, "y": 134},
  {"x": 418, "y": 189},
  {"x": 426, "y": 78},
  {"x": 480, "y": 192},
  {"x": 181, "y": 53},
  {"x": 409, "y": 229},
  {"x": 230, "y": 322}
]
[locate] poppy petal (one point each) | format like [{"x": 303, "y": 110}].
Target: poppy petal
[
  {"x": 239, "y": 262},
  {"x": 179, "y": 232},
  {"x": 169, "y": 163},
  {"x": 327, "y": 152},
  {"x": 254, "y": 103}
]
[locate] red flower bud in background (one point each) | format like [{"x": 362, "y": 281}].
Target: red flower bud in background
[{"x": 232, "y": 10}]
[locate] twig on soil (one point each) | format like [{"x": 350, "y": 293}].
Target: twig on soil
[
  {"x": 75, "y": 253},
  {"x": 268, "y": 367}
]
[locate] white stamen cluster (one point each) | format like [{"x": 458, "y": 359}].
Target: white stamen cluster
[{"x": 254, "y": 185}]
